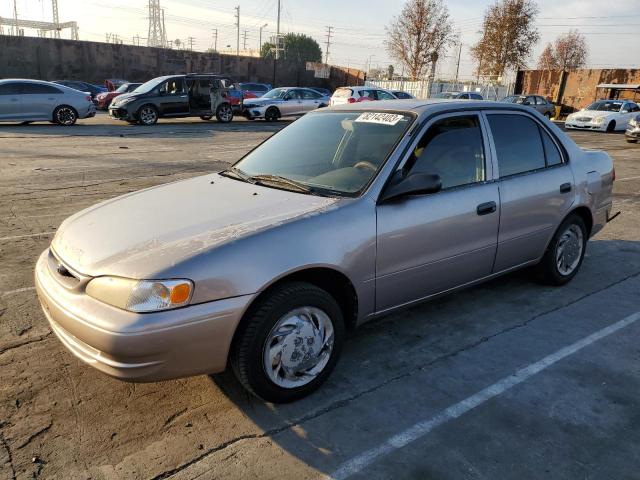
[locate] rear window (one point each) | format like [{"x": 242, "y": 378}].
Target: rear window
[{"x": 343, "y": 93}]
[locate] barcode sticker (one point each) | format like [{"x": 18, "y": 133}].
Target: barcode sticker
[{"x": 381, "y": 118}]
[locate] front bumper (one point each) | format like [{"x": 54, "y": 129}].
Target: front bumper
[
  {"x": 632, "y": 133},
  {"x": 120, "y": 113},
  {"x": 574, "y": 124},
  {"x": 147, "y": 347},
  {"x": 254, "y": 113}
]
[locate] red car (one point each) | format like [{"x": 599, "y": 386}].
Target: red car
[{"x": 104, "y": 99}]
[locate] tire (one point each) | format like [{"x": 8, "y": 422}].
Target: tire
[
  {"x": 322, "y": 105},
  {"x": 272, "y": 114},
  {"x": 147, "y": 115},
  {"x": 611, "y": 127},
  {"x": 206, "y": 118},
  {"x": 631, "y": 141},
  {"x": 224, "y": 113},
  {"x": 571, "y": 237},
  {"x": 305, "y": 306},
  {"x": 65, "y": 115},
  {"x": 26, "y": 122}
]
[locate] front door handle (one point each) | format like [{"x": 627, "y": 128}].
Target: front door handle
[
  {"x": 565, "y": 188},
  {"x": 486, "y": 208}
]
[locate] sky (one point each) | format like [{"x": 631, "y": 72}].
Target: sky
[{"x": 612, "y": 29}]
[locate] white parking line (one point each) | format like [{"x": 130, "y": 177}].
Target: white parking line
[
  {"x": 421, "y": 429},
  {"x": 17, "y": 290},
  {"x": 16, "y": 237}
]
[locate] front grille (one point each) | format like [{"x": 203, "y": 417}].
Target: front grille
[
  {"x": 61, "y": 272},
  {"x": 583, "y": 119}
]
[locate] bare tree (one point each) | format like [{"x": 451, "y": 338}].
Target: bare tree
[
  {"x": 420, "y": 35},
  {"x": 507, "y": 37},
  {"x": 547, "y": 60},
  {"x": 569, "y": 51}
]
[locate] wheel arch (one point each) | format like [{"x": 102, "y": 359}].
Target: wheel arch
[
  {"x": 586, "y": 215},
  {"x": 331, "y": 280}
]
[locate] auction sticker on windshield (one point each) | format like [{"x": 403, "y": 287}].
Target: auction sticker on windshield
[{"x": 381, "y": 118}]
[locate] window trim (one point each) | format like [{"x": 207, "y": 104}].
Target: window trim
[
  {"x": 488, "y": 153},
  {"x": 494, "y": 153}
]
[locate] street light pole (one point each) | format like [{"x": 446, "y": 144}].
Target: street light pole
[{"x": 260, "y": 41}]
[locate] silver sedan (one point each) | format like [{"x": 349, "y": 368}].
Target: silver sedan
[
  {"x": 29, "y": 101},
  {"x": 284, "y": 102},
  {"x": 345, "y": 215}
]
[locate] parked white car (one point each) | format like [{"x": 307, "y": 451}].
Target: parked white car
[
  {"x": 36, "y": 101},
  {"x": 604, "y": 115},
  {"x": 360, "y": 94}
]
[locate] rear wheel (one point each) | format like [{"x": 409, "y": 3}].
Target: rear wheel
[
  {"x": 565, "y": 252},
  {"x": 147, "y": 115},
  {"x": 289, "y": 343},
  {"x": 65, "y": 115},
  {"x": 611, "y": 127},
  {"x": 224, "y": 113},
  {"x": 272, "y": 114}
]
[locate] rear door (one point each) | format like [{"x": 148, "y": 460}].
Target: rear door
[
  {"x": 310, "y": 99},
  {"x": 536, "y": 187},
  {"x": 382, "y": 95},
  {"x": 10, "y": 101},
  {"x": 174, "y": 99},
  {"x": 428, "y": 244}
]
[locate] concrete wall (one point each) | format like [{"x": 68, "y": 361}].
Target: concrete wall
[
  {"x": 576, "y": 88},
  {"x": 56, "y": 59}
]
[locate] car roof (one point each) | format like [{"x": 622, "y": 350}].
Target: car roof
[
  {"x": 28, "y": 80},
  {"x": 428, "y": 106}
]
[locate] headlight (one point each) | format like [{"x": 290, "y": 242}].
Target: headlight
[
  {"x": 141, "y": 295},
  {"x": 124, "y": 101},
  {"x": 633, "y": 122},
  {"x": 598, "y": 120}
]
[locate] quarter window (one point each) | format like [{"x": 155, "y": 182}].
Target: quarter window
[
  {"x": 453, "y": 149},
  {"x": 551, "y": 152},
  {"x": 518, "y": 144}
]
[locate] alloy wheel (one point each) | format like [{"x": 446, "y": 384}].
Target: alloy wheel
[
  {"x": 569, "y": 250},
  {"x": 65, "y": 116}
]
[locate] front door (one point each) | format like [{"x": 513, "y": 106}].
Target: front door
[
  {"x": 39, "y": 100},
  {"x": 10, "y": 101},
  {"x": 292, "y": 104},
  {"x": 536, "y": 187},
  {"x": 174, "y": 99},
  {"x": 428, "y": 244}
]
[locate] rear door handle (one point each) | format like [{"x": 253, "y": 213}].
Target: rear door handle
[
  {"x": 486, "y": 208},
  {"x": 565, "y": 188}
]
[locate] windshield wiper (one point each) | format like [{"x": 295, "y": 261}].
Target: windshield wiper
[
  {"x": 279, "y": 180},
  {"x": 238, "y": 174}
]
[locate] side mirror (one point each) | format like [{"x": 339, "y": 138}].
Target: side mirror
[
  {"x": 413, "y": 184},
  {"x": 624, "y": 111}
]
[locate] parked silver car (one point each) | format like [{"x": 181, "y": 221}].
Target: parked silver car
[
  {"x": 347, "y": 214},
  {"x": 284, "y": 102},
  {"x": 542, "y": 105},
  {"x": 29, "y": 101}
]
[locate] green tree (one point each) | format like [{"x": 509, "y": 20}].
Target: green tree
[{"x": 296, "y": 47}]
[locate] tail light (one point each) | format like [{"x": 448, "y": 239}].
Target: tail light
[
  {"x": 88, "y": 98},
  {"x": 351, "y": 100}
]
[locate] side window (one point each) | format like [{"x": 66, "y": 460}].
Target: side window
[
  {"x": 551, "y": 152},
  {"x": 475, "y": 96},
  {"x": 453, "y": 149},
  {"x": 530, "y": 101},
  {"x": 518, "y": 145},
  {"x": 175, "y": 86},
  {"x": 464, "y": 96},
  {"x": 36, "y": 88},
  {"x": 368, "y": 94},
  {"x": 10, "y": 89},
  {"x": 542, "y": 101},
  {"x": 310, "y": 95},
  {"x": 382, "y": 95},
  {"x": 634, "y": 107}
]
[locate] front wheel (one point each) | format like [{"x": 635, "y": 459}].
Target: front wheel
[
  {"x": 224, "y": 113},
  {"x": 611, "y": 127},
  {"x": 289, "y": 343},
  {"x": 147, "y": 115},
  {"x": 565, "y": 253},
  {"x": 272, "y": 114},
  {"x": 65, "y": 115}
]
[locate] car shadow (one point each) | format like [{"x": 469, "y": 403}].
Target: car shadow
[{"x": 390, "y": 348}]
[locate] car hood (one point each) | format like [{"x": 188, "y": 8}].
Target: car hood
[
  {"x": 263, "y": 101},
  {"x": 123, "y": 96},
  {"x": 591, "y": 114},
  {"x": 143, "y": 233}
]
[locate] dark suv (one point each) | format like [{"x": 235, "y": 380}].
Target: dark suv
[{"x": 176, "y": 96}]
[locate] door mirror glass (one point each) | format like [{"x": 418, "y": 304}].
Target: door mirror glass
[{"x": 413, "y": 184}]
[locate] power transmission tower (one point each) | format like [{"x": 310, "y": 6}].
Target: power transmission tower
[
  {"x": 238, "y": 31},
  {"x": 244, "y": 41},
  {"x": 191, "y": 41},
  {"x": 56, "y": 19},
  {"x": 15, "y": 17},
  {"x": 458, "y": 62},
  {"x": 163, "y": 36},
  {"x": 326, "y": 53},
  {"x": 154, "y": 38}
]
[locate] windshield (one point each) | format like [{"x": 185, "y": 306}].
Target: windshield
[
  {"x": 150, "y": 85},
  {"x": 513, "y": 99},
  {"x": 124, "y": 88},
  {"x": 344, "y": 158},
  {"x": 275, "y": 93},
  {"x": 605, "y": 106}
]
